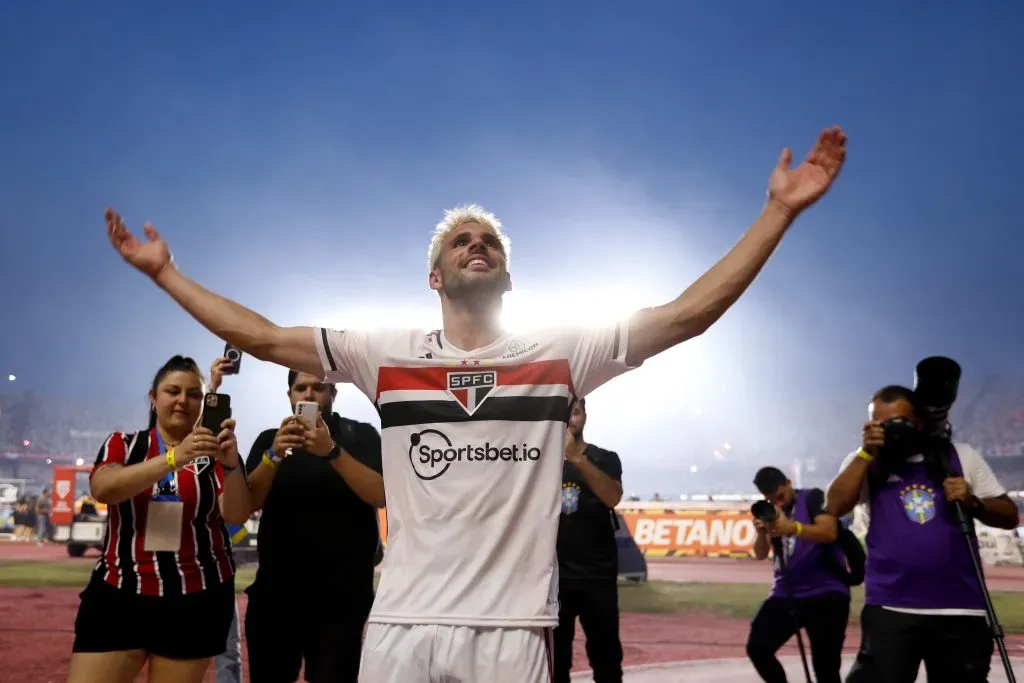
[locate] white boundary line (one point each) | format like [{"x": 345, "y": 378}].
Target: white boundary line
[{"x": 702, "y": 663}]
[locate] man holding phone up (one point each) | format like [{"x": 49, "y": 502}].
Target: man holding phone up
[{"x": 318, "y": 538}]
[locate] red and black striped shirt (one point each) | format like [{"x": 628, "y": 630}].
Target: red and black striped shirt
[{"x": 204, "y": 558}]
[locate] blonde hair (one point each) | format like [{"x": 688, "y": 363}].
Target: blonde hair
[{"x": 453, "y": 218}]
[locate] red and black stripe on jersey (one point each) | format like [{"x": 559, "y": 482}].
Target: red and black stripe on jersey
[
  {"x": 504, "y": 408},
  {"x": 204, "y": 559}
]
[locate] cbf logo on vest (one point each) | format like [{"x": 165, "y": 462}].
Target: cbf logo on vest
[
  {"x": 570, "y": 498},
  {"x": 918, "y": 503}
]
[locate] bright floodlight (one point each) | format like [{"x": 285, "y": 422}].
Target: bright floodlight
[
  {"x": 11, "y": 378},
  {"x": 693, "y": 469},
  {"x": 79, "y": 462}
]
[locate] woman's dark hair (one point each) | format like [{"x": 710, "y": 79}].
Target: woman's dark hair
[{"x": 175, "y": 364}]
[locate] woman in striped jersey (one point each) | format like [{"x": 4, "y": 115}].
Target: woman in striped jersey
[{"x": 163, "y": 591}]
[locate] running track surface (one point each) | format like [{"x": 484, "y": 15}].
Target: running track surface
[{"x": 654, "y": 644}]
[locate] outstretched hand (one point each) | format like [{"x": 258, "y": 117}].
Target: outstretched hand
[
  {"x": 150, "y": 256},
  {"x": 797, "y": 188}
]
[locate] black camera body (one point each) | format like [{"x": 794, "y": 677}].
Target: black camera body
[
  {"x": 902, "y": 439},
  {"x": 764, "y": 511}
]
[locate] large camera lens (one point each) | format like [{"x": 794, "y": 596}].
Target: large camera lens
[
  {"x": 936, "y": 382},
  {"x": 764, "y": 511}
]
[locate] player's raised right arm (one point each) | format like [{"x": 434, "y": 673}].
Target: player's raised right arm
[{"x": 292, "y": 347}]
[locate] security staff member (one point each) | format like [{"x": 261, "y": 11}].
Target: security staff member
[
  {"x": 588, "y": 556},
  {"x": 317, "y": 542},
  {"x": 810, "y": 592},
  {"x": 922, "y": 601}
]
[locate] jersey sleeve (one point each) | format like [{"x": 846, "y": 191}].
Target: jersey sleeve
[
  {"x": 978, "y": 474},
  {"x": 114, "y": 451},
  {"x": 353, "y": 356},
  {"x": 597, "y": 355}
]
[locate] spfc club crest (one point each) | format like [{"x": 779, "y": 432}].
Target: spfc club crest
[
  {"x": 472, "y": 388},
  {"x": 197, "y": 466},
  {"x": 63, "y": 488},
  {"x": 918, "y": 503}
]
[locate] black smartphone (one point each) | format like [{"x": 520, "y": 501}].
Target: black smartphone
[
  {"x": 216, "y": 409},
  {"x": 233, "y": 354}
]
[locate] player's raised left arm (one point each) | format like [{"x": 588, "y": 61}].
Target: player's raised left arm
[{"x": 790, "y": 191}]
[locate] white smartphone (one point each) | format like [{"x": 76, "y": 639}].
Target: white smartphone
[{"x": 307, "y": 411}]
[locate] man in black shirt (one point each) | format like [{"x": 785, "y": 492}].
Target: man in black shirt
[
  {"x": 588, "y": 558},
  {"x": 317, "y": 541}
]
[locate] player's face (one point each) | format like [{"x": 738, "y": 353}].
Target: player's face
[
  {"x": 310, "y": 388},
  {"x": 178, "y": 401},
  {"x": 577, "y": 419},
  {"x": 473, "y": 264}
]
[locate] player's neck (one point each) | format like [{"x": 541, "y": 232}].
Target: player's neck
[{"x": 471, "y": 327}]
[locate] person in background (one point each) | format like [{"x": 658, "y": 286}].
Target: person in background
[
  {"x": 588, "y": 557},
  {"x": 43, "y": 517},
  {"x": 228, "y": 665},
  {"x": 810, "y": 591},
  {"x": 163, "y": 590},
  {"x": 318, "y": 537},
  {"x": 922, "y": 601}
]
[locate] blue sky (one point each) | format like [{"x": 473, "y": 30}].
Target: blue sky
[{"x": 296, "y": 159}]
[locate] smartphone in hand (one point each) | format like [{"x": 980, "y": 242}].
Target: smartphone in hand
[
  {"x": 216, "y": 409},
  {"x": 234, "y": 355},
  {"x": 307, "y": 412}
]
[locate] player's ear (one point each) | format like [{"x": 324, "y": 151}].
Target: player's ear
[
  {"x": 434, "y": 280},
  {"x": 508, "y": 282}
]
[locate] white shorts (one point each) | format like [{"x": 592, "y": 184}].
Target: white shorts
[{"x": 400, "y": 653}]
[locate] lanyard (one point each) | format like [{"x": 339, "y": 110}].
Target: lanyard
[{"x": 167, "y": 487}]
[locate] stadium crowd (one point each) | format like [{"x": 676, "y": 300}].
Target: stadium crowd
[{"x": 814, "y": 435}]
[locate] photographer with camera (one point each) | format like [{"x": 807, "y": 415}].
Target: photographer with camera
[
  {"x": 925, "y": 598},
  {"x": 809, "y": 590}
]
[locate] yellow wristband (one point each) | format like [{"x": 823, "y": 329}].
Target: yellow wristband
[
  {"x": 799, "y": 529},
  {"x": 269, "y": 462},
  {"x": 170, "y": 460},
  {"x": 861, "y": 453}
]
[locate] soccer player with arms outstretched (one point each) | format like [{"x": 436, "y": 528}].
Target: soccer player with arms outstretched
[{"x": 473, "y": 427}]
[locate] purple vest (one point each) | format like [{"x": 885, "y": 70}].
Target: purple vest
[
  {"x": 806, "y": 566},
  {"x": 917, "y": 557}
]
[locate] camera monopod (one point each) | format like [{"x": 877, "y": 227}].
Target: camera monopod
[
  {"x": 765, "y": 511},
  {"x": 936, "y": 383},
  {"x": 966, "y": 525}
]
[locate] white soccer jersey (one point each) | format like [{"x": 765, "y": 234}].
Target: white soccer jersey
[{"x": 473, "y": 445}]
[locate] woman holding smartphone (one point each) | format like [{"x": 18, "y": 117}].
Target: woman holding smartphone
[{"x": 163, "y": 592}]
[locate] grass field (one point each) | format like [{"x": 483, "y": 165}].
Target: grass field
[{"x": 736, "y": 600}]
